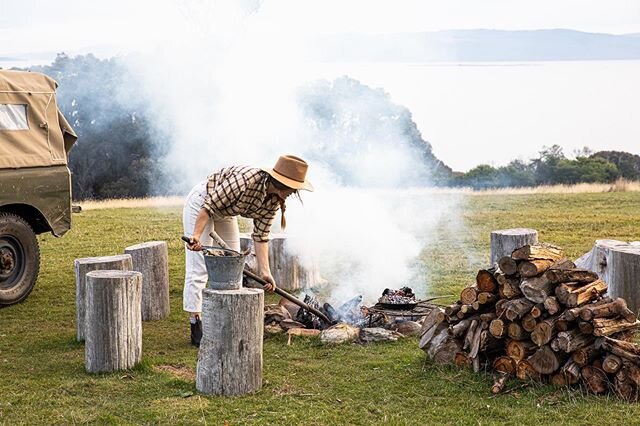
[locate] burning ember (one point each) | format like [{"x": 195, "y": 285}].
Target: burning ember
[{"x": 402, "y": 296}]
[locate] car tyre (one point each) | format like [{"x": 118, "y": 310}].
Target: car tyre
[{"x": 19, "y": 259}]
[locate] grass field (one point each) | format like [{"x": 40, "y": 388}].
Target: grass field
[{"x": 43, "y": 381}]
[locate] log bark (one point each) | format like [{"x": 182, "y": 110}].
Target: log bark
[
  {"x": 504, "y": 364},
  {"x": 441, "y": 347},
  {"x": 508, "y": 287},
  {"x": 461, "y": 359},
  {"x": 581, "y": 276},
  {"x": 113, "y": 320},
  {"x": 585, "y": 327},
  {"x": 612, "y": 309},
  {"x": 568, "y": 375},
  {"x": 498, "y": 328},
  {"x": 594, "y": 379},
  {"x": 531, "y": 268},
  {"x": 508, "y": 265},
  {"x": 82, "y": 266},
  {"x": 537, "y": 289},
  {"x": 574, "y": 313},
  {"x": 586, "y": 293},
  {"x": 586, "y": 355},
  {"x": 489, "y": 344},
  {"x": 505, "y": 241},
  {"x": 486, "y": 282},
  {"x": 475, "y": 343},
  {"x": 570, "y": 341},
  {"x": 545, "y": 360},
  {"x": 624, "y": 387},
  {"x": 152, "y": 260},
  {"x": 430, "y": 327},
  {"x": 611, "y": 363},
  {"x": 452, "y": 310},
  {"x": 538, "y": 310},
  {"x": 529, "y": 323},
  {"x": 626, "y": 350},
  {"x": 520, "y": 350},
  {"x": 632, "y": 371},
  {"x": 517, "y": 308},
  {"x": 459, "y": 329},
  {"x": 485, "y": 298},
  {"x": 525, "y": 371},
  {"x": 537, "y": 252},
  {"x": 552, "y": 305},
  {"x": 562, "y": 291},
  {"x": 230, "y": 356},
  {"x": 468, "y": 295},
  {"x": 471, "y": 332},
  {"x": 516, "y": 332},
  {"x": 498, "y": 383},
  {"x": 607, "y": 326},
  {"x": 545, "y": 331},
  {"x": 501, "y": 305}
]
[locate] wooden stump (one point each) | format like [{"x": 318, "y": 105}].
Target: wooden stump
[
  {"x": 624, "y": 275},
  {"x": 618, "y": 264},
  {"x": 82, "y": 267},
  {"x": 230, "y": 356},
  {"x": 505, "y": 241},
  {"x": 287, "y": 270},
  {"x": 152, "y": 260},
  {"x": 114, "y": 321}
]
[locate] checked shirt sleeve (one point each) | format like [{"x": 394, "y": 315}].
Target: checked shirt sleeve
[{"x": 261, "y": 228}]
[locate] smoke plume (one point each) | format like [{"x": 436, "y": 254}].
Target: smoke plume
[{"x": 226, "y": 94}]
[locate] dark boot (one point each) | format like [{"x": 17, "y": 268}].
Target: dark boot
[{"x": 196, "y": 332}]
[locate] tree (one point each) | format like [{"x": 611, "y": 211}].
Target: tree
[
  {"x": 118, "y": 149},
  {"x": 628, "y": 164},
  {"x": 366, "y": 139}
]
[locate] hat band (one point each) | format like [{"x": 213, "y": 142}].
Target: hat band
[{"x": 287, "y": 176}]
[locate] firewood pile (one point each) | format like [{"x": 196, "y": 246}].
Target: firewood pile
[{"x": 535, "y": 315}]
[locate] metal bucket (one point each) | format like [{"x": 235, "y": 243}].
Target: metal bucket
[{"x": 225, "y": 272}]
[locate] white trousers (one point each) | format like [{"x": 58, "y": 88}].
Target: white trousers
[{"x": 195, "y": 276}]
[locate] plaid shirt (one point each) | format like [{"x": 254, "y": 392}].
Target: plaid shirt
[{"x": 242, "y": 191}]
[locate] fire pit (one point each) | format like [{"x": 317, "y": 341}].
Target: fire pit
[{"x": 396, "y": 314}]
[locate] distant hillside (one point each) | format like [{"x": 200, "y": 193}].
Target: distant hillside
[
  {"x": 366, "y": 139},
  {"x": 478, "y": 46}
]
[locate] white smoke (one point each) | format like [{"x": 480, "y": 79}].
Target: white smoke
[{"x": 227, "y": 95}]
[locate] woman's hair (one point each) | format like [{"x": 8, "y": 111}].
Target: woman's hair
[{"x": 283, "y": 207}]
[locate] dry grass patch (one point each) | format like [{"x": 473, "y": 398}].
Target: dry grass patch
[
  {"x": 128, "y": 203},
  {"x": 179, "y": 371}
]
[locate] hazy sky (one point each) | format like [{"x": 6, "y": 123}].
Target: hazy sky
[{"x": 40, "y": 25}]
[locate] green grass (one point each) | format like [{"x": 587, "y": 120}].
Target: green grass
[{"x": 43, "y": 381}]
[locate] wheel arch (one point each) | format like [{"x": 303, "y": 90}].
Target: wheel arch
[{"x": 30, "y": 214}]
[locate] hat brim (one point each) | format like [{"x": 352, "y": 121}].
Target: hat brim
[{"x": 306, "y": 185}]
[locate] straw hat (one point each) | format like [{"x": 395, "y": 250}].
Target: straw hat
[{"x": 291, "y": 171}]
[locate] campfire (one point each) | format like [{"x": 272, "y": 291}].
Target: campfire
[
  {"x": 537, "y": 316},
  {"x": 396, "y": 314}
]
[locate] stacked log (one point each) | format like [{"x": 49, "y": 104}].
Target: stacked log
[{"x": 535, "y": 315}]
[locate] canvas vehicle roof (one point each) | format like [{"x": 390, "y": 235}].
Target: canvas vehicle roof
[{"x": 33, "y": 131}]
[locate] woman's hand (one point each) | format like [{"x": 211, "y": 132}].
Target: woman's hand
[
  {"x": 271, "y": 283},
  {"x": 195, "y": 243}
]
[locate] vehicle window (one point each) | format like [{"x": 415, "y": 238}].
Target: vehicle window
[{"x": 13, "y": 117}]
